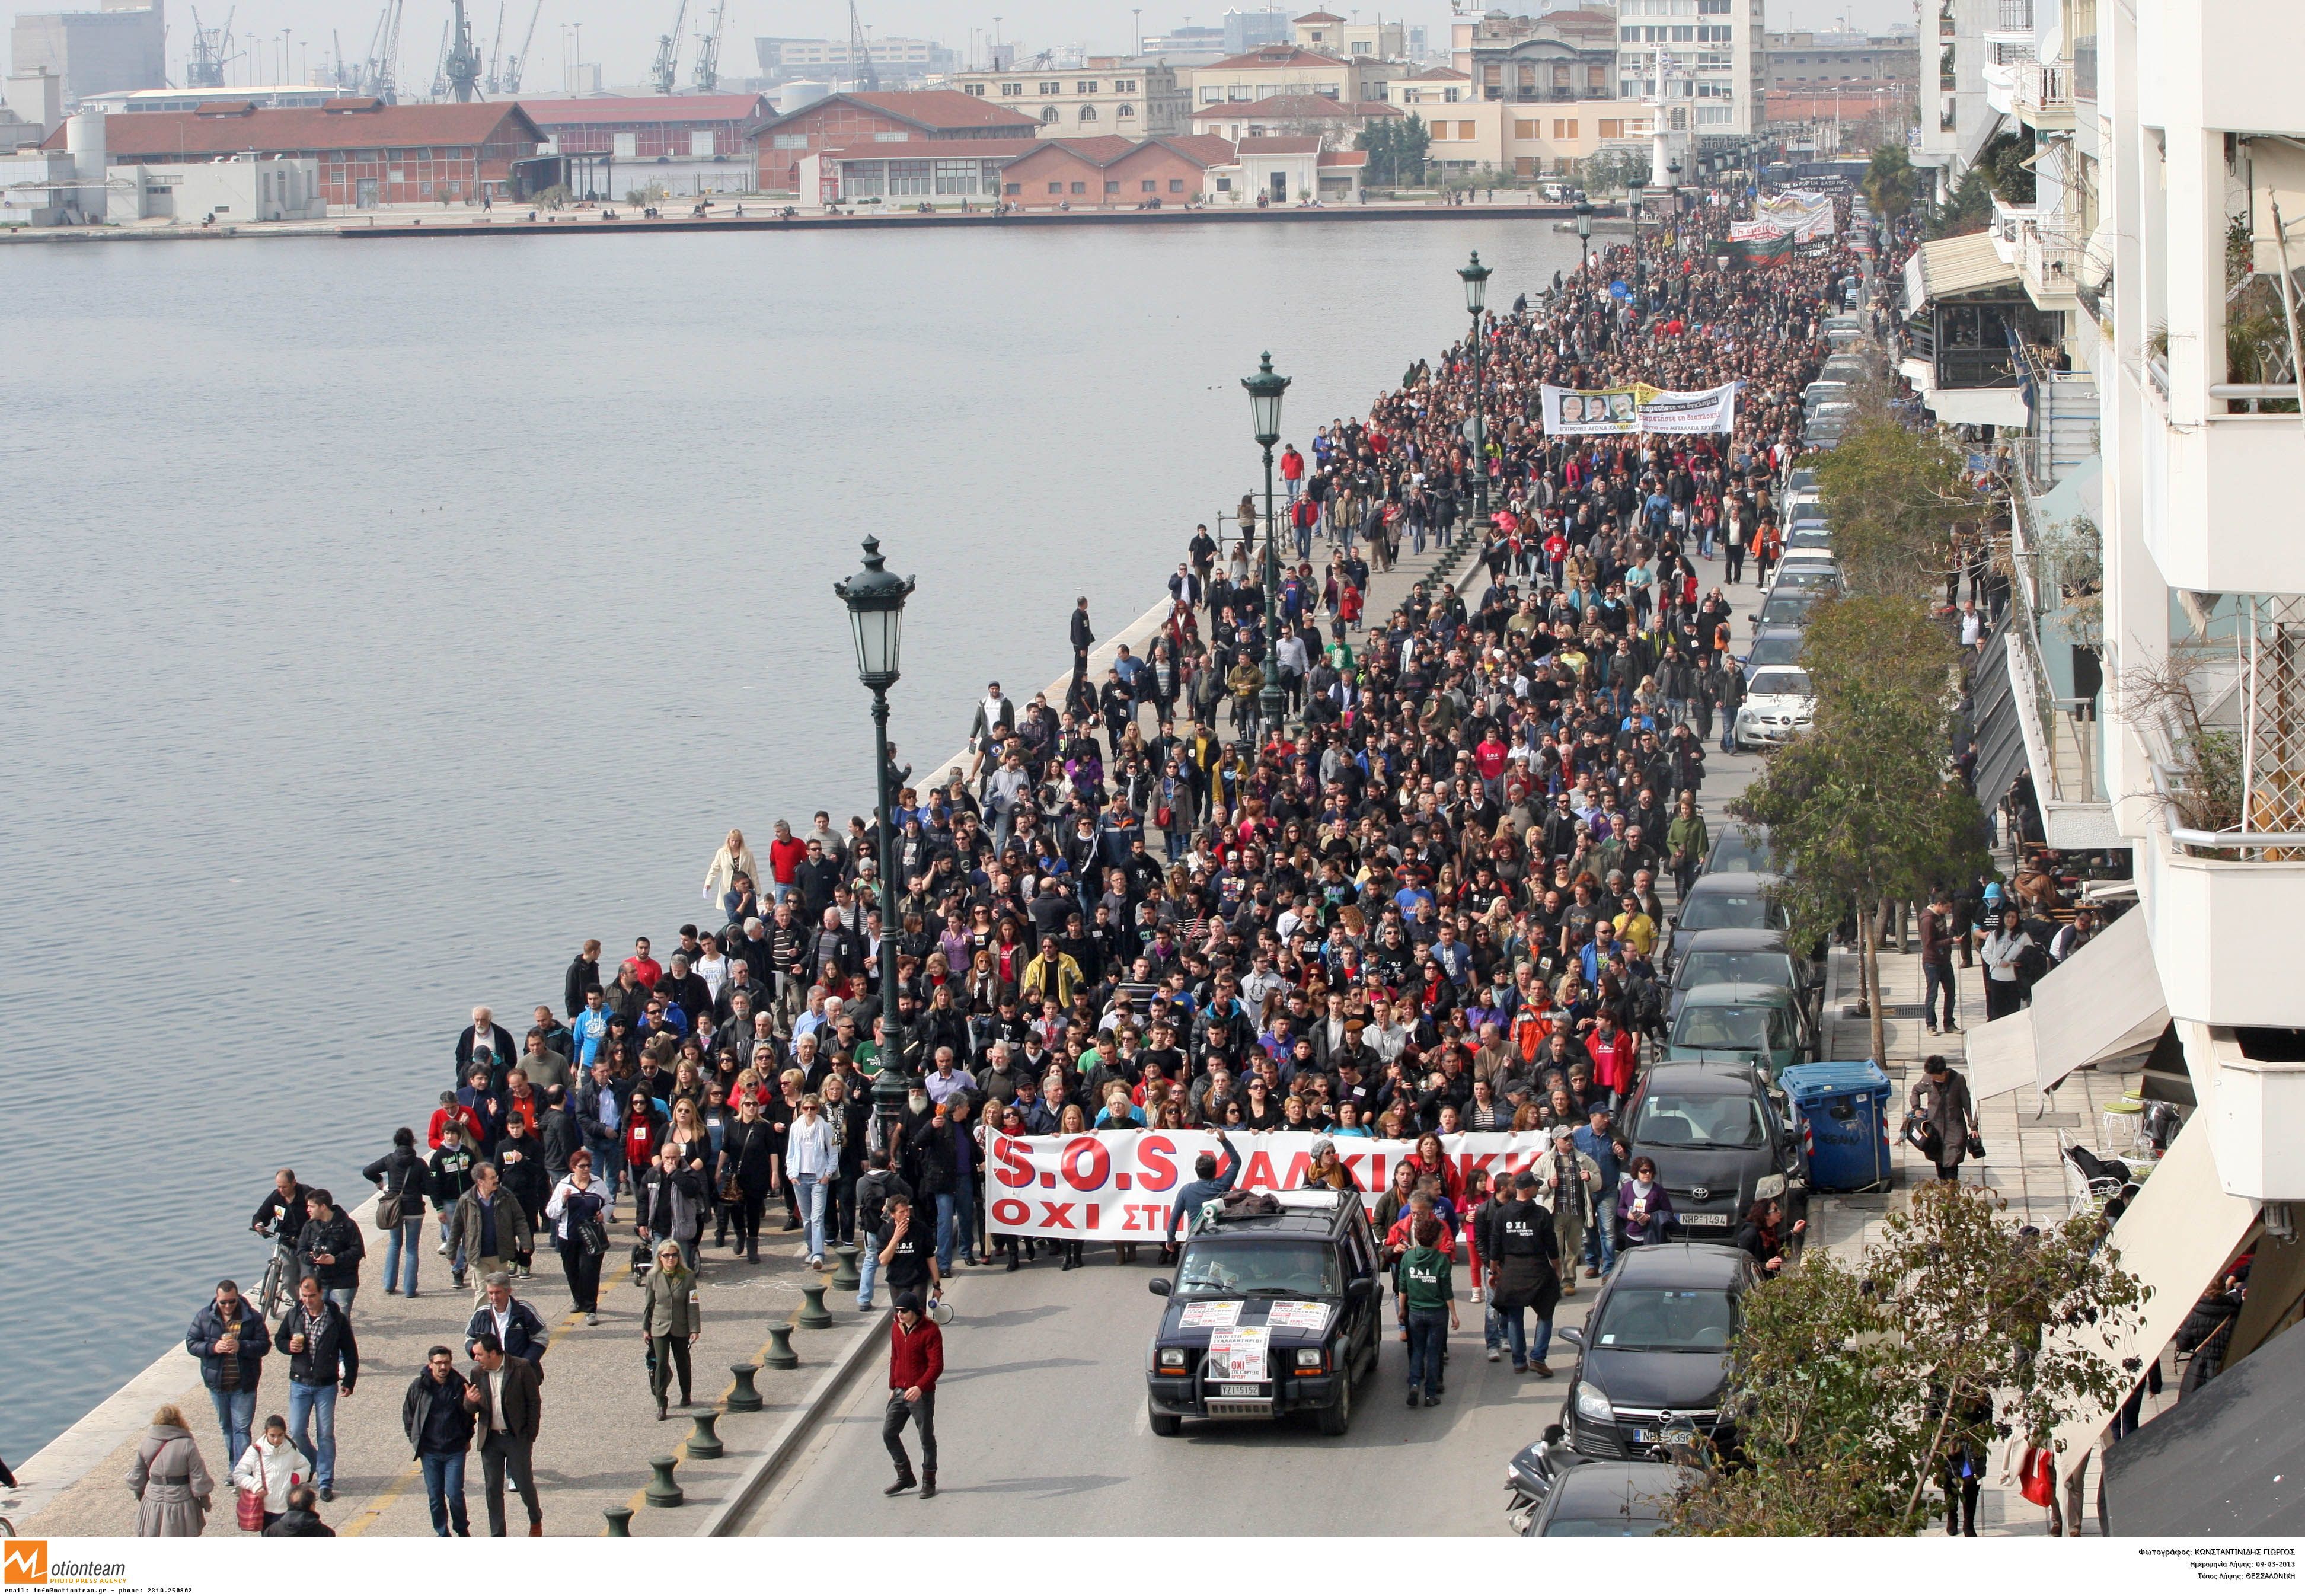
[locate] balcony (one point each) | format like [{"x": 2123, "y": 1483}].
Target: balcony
[
  {"x": 2212, "y": 496},
  {"x": 2042, "y": 94},
  {"x": 2011, "y": 21},
  {"x": 2213, "y": 924},
  {"x": 2049, "y": 258}
]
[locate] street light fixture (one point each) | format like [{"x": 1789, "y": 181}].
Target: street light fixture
[
  {"x": 875, "y": 598},
  {"x": 1584, "y": 235},
  {"x": 1265, "y": 388},
  {"x": 1477, "y": 297}
]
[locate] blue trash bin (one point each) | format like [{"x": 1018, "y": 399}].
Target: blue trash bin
[{"x": 1844, "y": 1109}]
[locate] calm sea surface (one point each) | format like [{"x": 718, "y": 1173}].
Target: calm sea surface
[{"x": 382, "y": 620}]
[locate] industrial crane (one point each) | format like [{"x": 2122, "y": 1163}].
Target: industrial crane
[
  {"x": 211, "y": 48},
  {"x": 665, "y": 71},
  {"x": 379, "y": 73},
  {"x": 461, "y": 65},
  {"x": 860, "y": 70},
  {"x": 495, "y": 49},
  {"x": 708, "y": 51},
  {"x": 514, "y": 63}
]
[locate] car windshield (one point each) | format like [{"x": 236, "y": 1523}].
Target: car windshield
[
  {"x": 1810, "y": 537},
  {"x": 1775, "y": 650},
  {"x": 1752, "y": 966},
  {"x": 1735, "y": 911},
  {"x": 1743, "y": 1030},
  {"x": 1625, "y": 1525},
  {"x": 1740, "y": 851},
  {"x": 1791, "y": 683},
  {"x": 1788, "y": 608},
  {"x": 1656, "y": 1319},
  {"x": 1671, "y": 1120},
  {"x": 1258, "y": 1268}
]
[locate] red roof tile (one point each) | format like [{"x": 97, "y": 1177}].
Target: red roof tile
[
  {"x": 937, "y": 109},
  {"x": 1203, "y": 149},
  {"x": 599, "y": 109},
  {"x": 160, "y": 135},
  {"x": 938, "y": 149},
  {"x": 1274, "y": 56},
  {"x": 1320, "y": 16},
  {"x": 1344, "y": 157},
  {"x": 1280, "y": 146},
  {"x": 1307, "y": 106}
]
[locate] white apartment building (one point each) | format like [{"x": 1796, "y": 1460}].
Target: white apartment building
[
  {"x": 1714, "y": 64},
  {"x": 1107, "y": 94},
  {"x": 2184, "y": 739}
]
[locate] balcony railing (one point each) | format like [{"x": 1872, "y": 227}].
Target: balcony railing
[
  {"x": 2014, "y": 16},
  {"x": 2043, "y": 89},
  {"x": 2050, "y": 259}
]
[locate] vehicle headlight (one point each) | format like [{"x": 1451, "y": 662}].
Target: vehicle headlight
[
  {"x": 1593, "y": 1402},
  {"x": 1308, "y": 1357},
  {"x": 1172, "y": 1357}
]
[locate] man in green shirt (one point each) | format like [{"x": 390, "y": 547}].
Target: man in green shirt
[
  {"x": 1422, "y": 1277},
  {"x": 1687, "y": 842}
]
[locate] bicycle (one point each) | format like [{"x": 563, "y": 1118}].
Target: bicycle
[{"x": 280, "y": 1273}]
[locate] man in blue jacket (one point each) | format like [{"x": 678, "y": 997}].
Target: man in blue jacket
[
  {"x": 1204, "y": 1186},
  {"x": 229, "y": 1339}
]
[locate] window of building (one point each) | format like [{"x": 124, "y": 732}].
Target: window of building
[
  {"x": 1684, "y": 36},
  {"x": 1088, "y": 113},
  {"x": 1087, "y": 87},
  {"x": 1013, "y": 188},
  {"x": 1564, "y": 127},
  {"x": 1524, "y": 165},
  {"x": 1112, "y": 186},
  {"x": 1714, "y": 115},
  {"x": 957, "y": 178},
  {"x": 1011, "y": 91},
  {"x": 910, "y": 178},
  {"x": 791, "y": 141},
  {"x": 1080, "y": 188},
  {"x": 1239, "y": 93},
  {"x": 1049, "y": 116},
  {"x": 1465, "y": 130},
  {"x": 1632, "y": 33},
  {"x": 976, "y": 89},
  {"x": 1712, "y": 8},
  {"x": 1052, "y": 88},
  {"x": 1176, "y": 185},
  {"x": 1224, "y": 185},
  {"x": 1612, "y": 127},
  {"x": 1151, "y": 185},
  {"x": 1055, "y": 188},
  {"x": 865, "y": 180},
  {"x": 1126, "y": 111},
  {"x": 1124, "y": 86},
  {"x": 1448, "y": 97},
  {"x": 1524, "y": 129}
]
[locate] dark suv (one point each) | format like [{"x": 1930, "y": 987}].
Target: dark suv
[
  {"x": 1302, "y": 1282},
  {"x": 1721, "y": 1136},
  {"x": 1654, "y": 1354}
]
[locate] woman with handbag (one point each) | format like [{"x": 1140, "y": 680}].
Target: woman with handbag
[
  {"x": 578, "y": 1211},
  {"x": 169, "y": 1479},
  {"x": 1941, "y": 1117},
  {"x": 265, "y": 1474},
  {"x": 400, "y": 1177},
  {"x": 2004, "y": 956}
]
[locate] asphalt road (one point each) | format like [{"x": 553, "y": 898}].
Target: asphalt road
[{"x": 1042, "y": 1418}]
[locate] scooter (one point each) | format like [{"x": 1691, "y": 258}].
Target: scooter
[{"x": 1532, "y": 1474}]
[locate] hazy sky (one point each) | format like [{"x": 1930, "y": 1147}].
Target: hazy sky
[{"x": 621, "y": 35}]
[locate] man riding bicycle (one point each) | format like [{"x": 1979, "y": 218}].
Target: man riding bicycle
[
  {"x": 281, "y": 1215},
  {"x": 287, "y": 1193}
]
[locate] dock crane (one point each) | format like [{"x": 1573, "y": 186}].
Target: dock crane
[
  {"x": 211, "y": 48},
  {"x": 860, "y": 70},
  {"x": 495, "y": 49},
  {"x": 665, "y": 71},
  {"x": 514, "y": 63},
  {"x": 461, "y": 65},
  {"x": 379, "y": 73},
  {"x": 708, "y": 51}
]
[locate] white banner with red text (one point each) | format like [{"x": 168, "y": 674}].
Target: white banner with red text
[{"x": 1120, "y": 1185}]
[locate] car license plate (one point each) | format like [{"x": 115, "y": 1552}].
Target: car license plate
[
  {"x": 1643, "y": 1437},
  {"x": 1718, "y": 1221},
  {"x": 1240, "y": 1390}
]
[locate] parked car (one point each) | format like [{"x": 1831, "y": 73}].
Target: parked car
[
  {"x": 1740, "y": 845},
  {"x": 1804, "y": 536},
  {"x": 1721, "y": 1136},
  {"x": 1772, "y": 645},
  {"x": 1805, "y": 570},
  {"x": 1754, "y": 958},
  {"x": 1779, "y": 705},
  {"x": 1608, "y": 1498},
  {"x": 1317, "y": 1251},
  {"x": 1739, "y": 1022},
  {"x": 1788, "y": 608},
  {"x": 1724, "y": 898},
  {"x": 1824, "y": 387},
  {"x": 1657, "y": 1351}
]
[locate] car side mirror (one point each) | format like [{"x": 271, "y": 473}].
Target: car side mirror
[
  {"x": 1157, "y": 1288},
  {"x": 1574, "y": 1337},
  {"x": 1360, "y": 1291}
]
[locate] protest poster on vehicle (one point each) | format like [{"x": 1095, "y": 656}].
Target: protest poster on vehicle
[{"x": 1120, "y": 1185}]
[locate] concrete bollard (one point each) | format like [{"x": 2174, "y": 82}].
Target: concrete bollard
[
  {"x": 705, "y": 1442},
  {"x": 744, "y": 1399},
  {"x": 845, "y": 1273},
  {"x": 664, "y": 1490},
  {"x": 813, "y": 1315},
  {"x": 620, "y": 1520},
  {"x": 780, "y": 1352}
]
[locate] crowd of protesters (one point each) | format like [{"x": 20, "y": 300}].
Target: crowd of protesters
[{"x": 1424, "y": 900}]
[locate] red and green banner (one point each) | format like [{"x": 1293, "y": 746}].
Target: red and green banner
[{"x": 1775, "y": 248}]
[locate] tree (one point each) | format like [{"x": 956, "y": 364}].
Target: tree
[
  {"x": 1889, "y": 182},
  {"x": 1861, "y": 809},
  {"x": 1999, "y": 169},
  {"x": 1892, "y": 495},
  {"x": 1856, "y": 1383},
  {"x": 1885, "y": 643},
  {"x": 1617, "y": 167},
  {"x": 1396, "y": 151}
]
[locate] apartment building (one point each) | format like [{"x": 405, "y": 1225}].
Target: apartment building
[
  {"x": 2167, "y": 722},
  {"x": 1559, "y": 55},
  {"x": 1955, "y": 120},
  {"x": 1333, "y": 35},
  {"x": 1703, "y": 61},
  {"x": 1810, "y": 60},
  {"x": 1285, "y": 69},
  {"x": 1105, "y": 96}
]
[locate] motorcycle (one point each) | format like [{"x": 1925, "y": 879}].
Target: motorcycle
[{"x": 1532, "y": 1474}]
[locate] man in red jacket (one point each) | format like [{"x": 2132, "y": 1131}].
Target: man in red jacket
[{"x": 916, "y": 1360}]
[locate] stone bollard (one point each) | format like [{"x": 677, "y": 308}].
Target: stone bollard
[
  {"x": 664, "y": 1490},
  {"x": 813, "y": 1314},
  {"x": 620, "y": 1520},
  {"x": 780, "y": 1352},
  {"x": 706, "y": 1440},
  {"x": 744, "y": 1399},
  {"x": 844, "y": 1274}
]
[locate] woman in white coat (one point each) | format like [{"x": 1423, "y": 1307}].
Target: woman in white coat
[{"x": 272, "y": 1465}]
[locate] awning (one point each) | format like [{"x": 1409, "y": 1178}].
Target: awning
[
  {"x": 2228, "y": 1460},
  {"x": 1979, "y": 407},
  {"x": 1992, "y": 720},
  {"x": 1951, "y": 267},
  {"x": 2177, "y": 1237},
  {"x": 2101, "y": 1004}
]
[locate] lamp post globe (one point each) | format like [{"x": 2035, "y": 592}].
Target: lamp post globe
[
  {"x": 1266, "y": 387},
  {"x": 1476, "y": 298},
  {"x": 875, "y": 598},
  {"x": 1584, "y": 233}
]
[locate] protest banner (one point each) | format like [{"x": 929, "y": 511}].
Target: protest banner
[
  {"x": 1121, "y": 1185},
  {"x": 1711, "y": 409},
  {"x": 1616, "y": 412}
]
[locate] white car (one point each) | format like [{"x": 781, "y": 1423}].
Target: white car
[{"x": 1778, "y": 706}]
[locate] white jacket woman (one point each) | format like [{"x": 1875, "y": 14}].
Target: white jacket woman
[
  {"x": 733, "y": 859},
  {"x": 271, "y": 1465}
]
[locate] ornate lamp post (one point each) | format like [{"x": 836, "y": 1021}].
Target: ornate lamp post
[
  {"x": 1264, "y": 391},
  {"x": 875, "y": 597},
  {"x": 1477, "y": 297},
  {"x": 1584, "y": 236}
]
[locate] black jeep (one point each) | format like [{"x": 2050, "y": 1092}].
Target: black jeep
[{"x": 1298, "y": 1272}]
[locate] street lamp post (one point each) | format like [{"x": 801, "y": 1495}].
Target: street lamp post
[
  {"x": 1264, "y": 391},
  {"x": 875, "y": 598},
  {"x": 1477, "y": 296},
  {"x": 1584, "y": 236}
]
